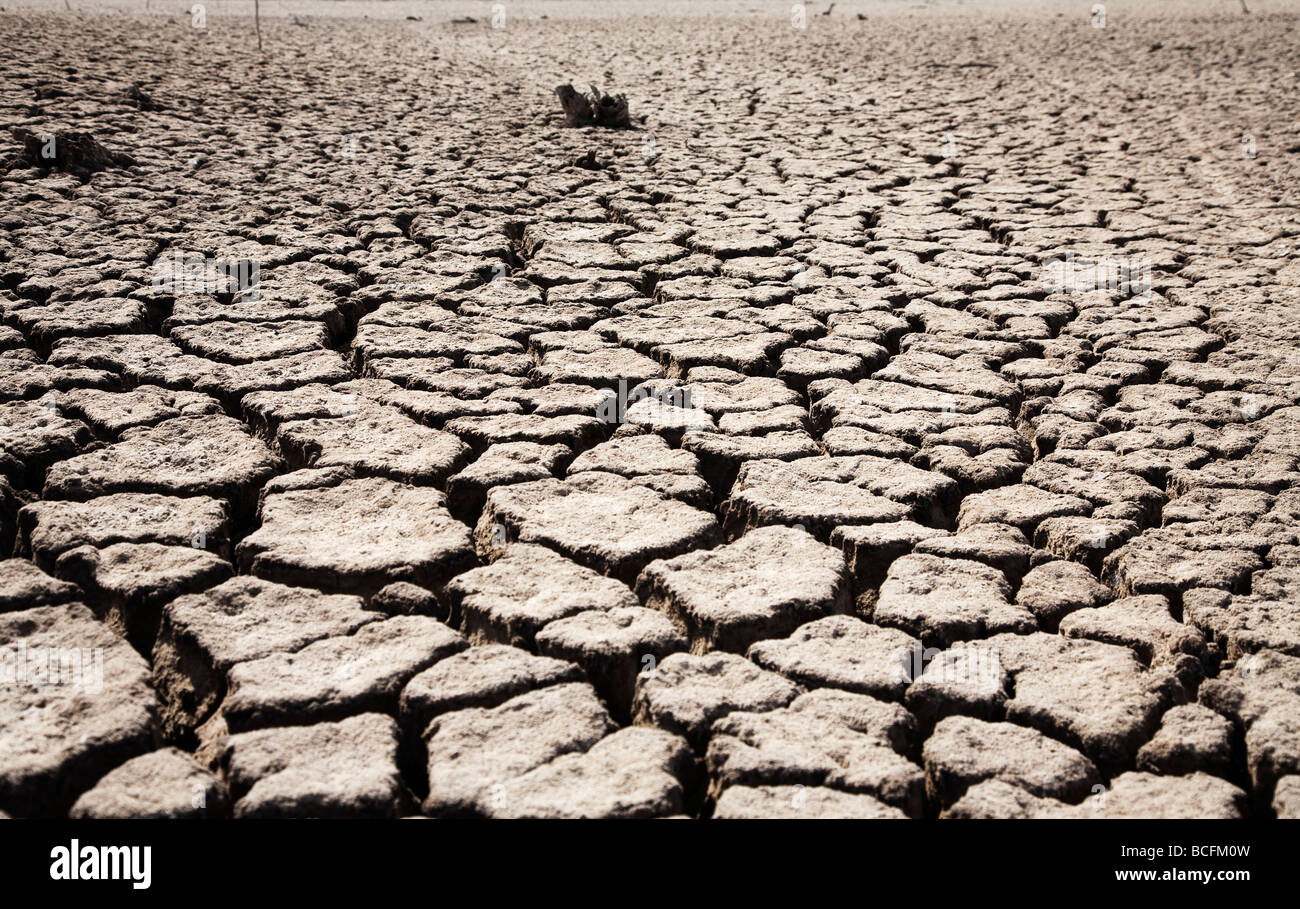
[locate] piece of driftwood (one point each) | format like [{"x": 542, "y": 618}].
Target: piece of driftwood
[{"x": 594, "y": 108}]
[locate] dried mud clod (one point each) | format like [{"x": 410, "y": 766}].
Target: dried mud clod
[
  {"x": 588, "y": 161},
  {"x": 138, "y": 98},
  {"x": 45, "y": 91},
  {"x": 594, "y": 108},
  {"x": 76, "y": 153}
]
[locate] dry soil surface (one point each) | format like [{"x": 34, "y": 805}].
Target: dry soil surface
[{"x": 901, "y": 419}]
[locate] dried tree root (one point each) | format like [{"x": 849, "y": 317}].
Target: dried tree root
[{"x": 594, "y": 108}]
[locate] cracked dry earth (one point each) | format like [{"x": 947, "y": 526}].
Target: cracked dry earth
[{"x": 899, "y": 530}]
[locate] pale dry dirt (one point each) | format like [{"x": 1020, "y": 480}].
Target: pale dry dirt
[{"x": 900, "y": 419}]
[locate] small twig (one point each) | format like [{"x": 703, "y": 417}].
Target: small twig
[{"x": 257, "y": 21}]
